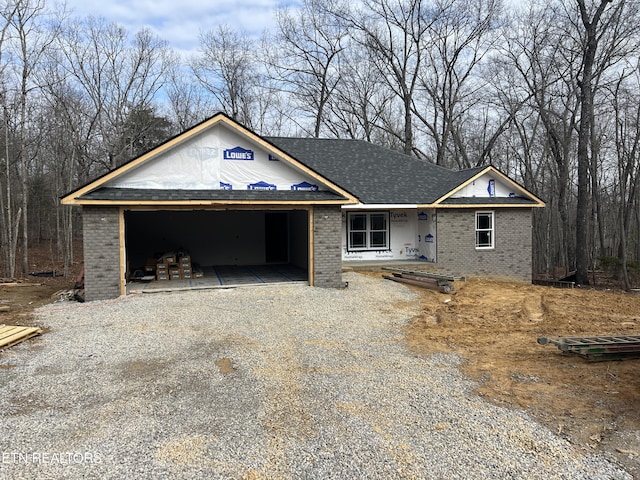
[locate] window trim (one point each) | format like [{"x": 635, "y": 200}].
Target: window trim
[
  {"x": 368, "y": 231},
  {"x": 491, "y": 230}
]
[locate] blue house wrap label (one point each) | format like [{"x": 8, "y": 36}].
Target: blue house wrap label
[
  {"x": 261, "y": 186},
  {"x": 491, "y": 188},
  {"x": 305, "y": 186},
  {"x": 237, "y": 153}
]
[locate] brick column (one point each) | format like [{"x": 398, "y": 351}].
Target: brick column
[
  {"x": 327, "y": 239},
  {"x": 101, "y": 238}
]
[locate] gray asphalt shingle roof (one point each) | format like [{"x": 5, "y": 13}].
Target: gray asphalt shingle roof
[
  {"x": 138, "y": 194},
  {"x": 372, "y": 173}
]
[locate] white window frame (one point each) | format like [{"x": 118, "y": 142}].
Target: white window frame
[
  {"x": 491, "y": 244},
  {"x": 368, "y": 231}
]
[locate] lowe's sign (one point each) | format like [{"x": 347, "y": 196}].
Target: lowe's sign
[
  {"x": 261, "y": 185},
  {"x": 237, "y": 153},
  {"x": 305, "y": 186}
]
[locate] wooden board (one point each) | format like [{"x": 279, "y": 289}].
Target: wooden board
[
  {"x": 421, "y": 283},
  {"x": 422, "y": 273},
  {"x": 11, "y": 334}
]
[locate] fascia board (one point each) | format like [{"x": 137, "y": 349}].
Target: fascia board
[{"x": 380, "y": 206}]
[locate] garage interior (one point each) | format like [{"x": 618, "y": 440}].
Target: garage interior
[{"x": 228, "y": 247}]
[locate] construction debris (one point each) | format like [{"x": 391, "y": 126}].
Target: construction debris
[
  {"x": 553, "y": 283},
  {"x": 598, "y": 348},
  {"x": 422, "y": 279},
  {"x": 74, "y": 294},
  {"x": 12, "y": 334},
  {"x": 422, "y": 273}
]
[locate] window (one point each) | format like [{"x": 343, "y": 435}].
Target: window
[
  {"x": 368, "y": 231},
  {"x": 484, "y": 230}
]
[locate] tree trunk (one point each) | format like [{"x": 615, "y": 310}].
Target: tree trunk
[
  {"x": 11, "y": 236},
  {"x": 584, "y": 137}
]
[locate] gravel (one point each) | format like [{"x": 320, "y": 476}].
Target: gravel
[{"x": 259, "y": 382}]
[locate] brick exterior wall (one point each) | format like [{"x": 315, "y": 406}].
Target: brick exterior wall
[
  {"x": 327, "y": 241},
  {"x": 511, "y": 257},
  {"x": 101, "y": 252}
]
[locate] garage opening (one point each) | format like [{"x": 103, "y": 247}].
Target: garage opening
[{"x": 223, "y": 247}]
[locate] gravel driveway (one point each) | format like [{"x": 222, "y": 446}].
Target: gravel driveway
[{"x": 259, "y": 382}]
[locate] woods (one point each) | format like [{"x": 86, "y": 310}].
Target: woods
[{"x": 548, "y": 92}]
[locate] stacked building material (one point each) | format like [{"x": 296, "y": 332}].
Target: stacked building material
[
  {"x": 598, "y": 348},
  {"x": 422, "y": 279}
]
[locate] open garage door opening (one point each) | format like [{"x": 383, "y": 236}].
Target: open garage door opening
[{"x": 201, "y": 248}]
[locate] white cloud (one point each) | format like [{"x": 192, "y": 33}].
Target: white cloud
[{"x": 180, "y": 22}]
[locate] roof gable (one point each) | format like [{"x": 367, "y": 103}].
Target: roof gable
[
  {"x": 488, "y": 186},
  {"x": 218, "y": 158},
  {"x": 218, "y": 154}
]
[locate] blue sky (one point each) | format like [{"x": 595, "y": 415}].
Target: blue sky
[{"x": 181, "y": 21}]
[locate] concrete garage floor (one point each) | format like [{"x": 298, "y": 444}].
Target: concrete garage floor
[{"x": 226, "y": 276}]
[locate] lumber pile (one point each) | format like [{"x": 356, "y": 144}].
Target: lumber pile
[{"x": 423, "y": 279}]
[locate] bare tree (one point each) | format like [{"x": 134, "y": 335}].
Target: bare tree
[
  {"x": 627, "y": 142},
  {"x": 32, "y": 40},
  {"x": 304, "y": 57},
  {"x": 115, "y": 75},
  {"x": 596, "y": 20},
  {"x": 392, "y": 33},
  {"x": 187, "y": 102},
  {"x": 542, "y": 67},
  {"x": 226, "y": 68},
  {"x": 360, "y": 105},
  {"x": 8, "y": 240},
  {"x": 455, "y": 45}
]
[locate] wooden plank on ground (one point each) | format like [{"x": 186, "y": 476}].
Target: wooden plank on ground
[
  {"x": 420, "y": 283},
  {"x": 553, "y": 283},
  {"x": 12, "y": 334},
  {"x": 422, "y": 273}
]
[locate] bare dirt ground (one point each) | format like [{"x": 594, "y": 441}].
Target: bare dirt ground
[
  {"x": 494, "y": 326},
  {"x": 26, "y": 292}
]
